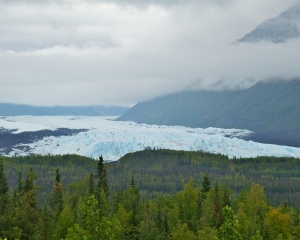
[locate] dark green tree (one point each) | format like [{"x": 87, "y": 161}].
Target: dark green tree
[
  {"x": 105, "y": 183},
  {"x": 218, "y": 217},
  {"x": 27, "y": 215},
  {"x": 57, "y": 196},
  {"x": 205, "y": 186},
  {"x": 46, "y": 223},
  {"x": 199, "y": 207},
  {"x": 20, "y": 183},
  {"x": 134, "y": 207},
  {"x": 4, "y": 200},
  {"x": 3, "y": 180},
  {"x": 91, "y": 184},
  {"x": 158, "y": 219},
  {"x": 100, "y": 175},
  {"x": 102, "y": 187},
  {"x": 226, "y": 198}
]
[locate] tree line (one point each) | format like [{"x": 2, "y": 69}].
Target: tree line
[
  {"x": 89, "y": 209},
  {"x": 160, "y": 171}
]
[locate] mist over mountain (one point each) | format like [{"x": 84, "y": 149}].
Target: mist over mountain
[
  {"x": 277, "y": 30},
  {"x": 270, "y": 109},
  {"x": 7, "y": 109}
]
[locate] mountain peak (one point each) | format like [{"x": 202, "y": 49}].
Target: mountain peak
[{"x": 277, "y": 30}]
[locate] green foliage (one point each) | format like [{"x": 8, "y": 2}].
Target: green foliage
[
  {"x": 182, "y": 232},
  {"x": 64, "y": 222},
  {"x": 207, "y": 234},
  {"x": 229, "y": 229},
  {"x": 163, "y": 171},
  {"x": 125, "y": 214},
  {"x": 72, "y": 168},
  {"x": 57, "y": 196},
  {"x": 3, "y": 180},
  {"x": 166, "y": 171},
  {"x": 77, "y": 233},
  {"x": 205, "y": 186},
  {"x": 91, "y": 184}
]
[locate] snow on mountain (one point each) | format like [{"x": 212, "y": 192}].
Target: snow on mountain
[{"x": 113, "y": 139}]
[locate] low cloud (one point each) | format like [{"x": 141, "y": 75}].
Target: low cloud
[{"x": 119, "y": 52}]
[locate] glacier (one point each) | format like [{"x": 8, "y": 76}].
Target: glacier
[{"x": 114, "y": 139}]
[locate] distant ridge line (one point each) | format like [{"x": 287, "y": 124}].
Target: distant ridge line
[{"x": 9, "y": 109}]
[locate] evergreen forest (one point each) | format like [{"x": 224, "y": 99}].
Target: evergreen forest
[{"x": 152, "y": 194}]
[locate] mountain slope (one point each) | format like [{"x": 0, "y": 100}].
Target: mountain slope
[
  {"x": 7, "y": 109},
  {"x": 271, "y": 109},
  {"x": 277, "y": 30}
]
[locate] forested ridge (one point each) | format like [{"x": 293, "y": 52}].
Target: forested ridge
[
  {"x": 165, "y": 172},
  {"x": 89, "y": 209}
]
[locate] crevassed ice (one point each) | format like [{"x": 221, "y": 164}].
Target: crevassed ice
[{"x": 114, "y": 139}]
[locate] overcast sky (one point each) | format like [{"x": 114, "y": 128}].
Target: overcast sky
[{"x": 93, "y": 52}]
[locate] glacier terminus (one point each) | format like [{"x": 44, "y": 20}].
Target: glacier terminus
[{"x": 113, "y": 139}]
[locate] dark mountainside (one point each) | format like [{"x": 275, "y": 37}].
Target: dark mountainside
[
  {"x": 270, "y": 109},
  {"x": 7, "y": 109},
  {"x": 277, "y": 30}
]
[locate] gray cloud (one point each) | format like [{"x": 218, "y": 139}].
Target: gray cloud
[
  {"x": 104, "y": 52},
  {"x": 119, "y": 2},
  {"x": 279, "y": 29}
]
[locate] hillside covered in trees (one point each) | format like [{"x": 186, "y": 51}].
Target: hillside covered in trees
[
  {"x": 89, "y": 209},
  {"x": 165, "y": 172}
]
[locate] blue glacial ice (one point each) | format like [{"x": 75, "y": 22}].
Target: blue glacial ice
[{"x": 114, "y": 139}]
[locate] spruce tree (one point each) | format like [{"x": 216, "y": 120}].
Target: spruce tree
[
  {"x": 167, "y": 229},
  {"x": 105, "y": 183},
  {"x": 199, "y": 207},
  {"x": 30, "y": 177},
  {"x": 102, "y": 182},
  {"x": 117, "y": 199},
  {"x": 91, "y": 184},
  {"x": 205, "y": 186},
  {"x": 57, "y": 196},
  {"x": 3, "y": 180},
  {"x": 46, "y": 224},
  {"x": 27, "y": 215},
  {"x": 134, "y": 198},
  {"x": 20, "y": 183},
  {"x": 226, "y": 199},
  {"x": 218, "y": 217},
  {"x": 100, "y": 170},
  {"x": 102, "y": 187},
  {"x": 3, "y": 198},
  {"x": 158, "y": 219}
]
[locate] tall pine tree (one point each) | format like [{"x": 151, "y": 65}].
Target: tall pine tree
[
  {"x": 102, "y": 190},
  {"x": 57, "y": 196}
]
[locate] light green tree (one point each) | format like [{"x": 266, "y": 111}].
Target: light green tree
[
  {"x": 229, "y": 228},
  {"x": 96, "y": 228},
  {"x": 64, "y": 222},
  {"x": 182, "y": 232}
]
